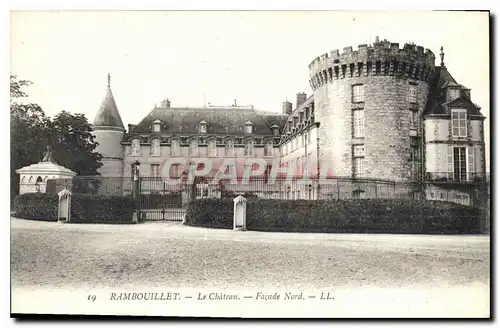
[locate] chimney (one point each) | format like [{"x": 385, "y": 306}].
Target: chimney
[
  {"x": 130, "y": 128},
  {"x": 287, "y": 108},
  {"x": 376, "y": 39},
  {"x": 301, "y": 98},
  {"x": 165, "y": 103}
]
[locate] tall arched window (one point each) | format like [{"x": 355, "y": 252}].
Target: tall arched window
[
  {"x": 174, "y": 147},
  {"x": 230, "y": 148},
  {"x": 212, "y": 150},
  {"x": 135, "y": 147},
  {"x": 155, "y": 147},
  {"x": 249, "y": 148},
  {"x": 193, "y": 148},
  {"x": 268, "y": 148}
]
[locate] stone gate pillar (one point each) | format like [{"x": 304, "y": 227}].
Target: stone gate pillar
[{"x": 240, "y": 213}]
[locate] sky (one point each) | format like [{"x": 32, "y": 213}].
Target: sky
[{"x": 259, "y": 58}]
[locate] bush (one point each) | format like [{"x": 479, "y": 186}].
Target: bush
[
  {"x": 210, "y": 213},
  {"x": 356, "y": 216},
  {"x": 84, "y": 208},
  {"x": 101, "y": 209},
  {"x": 36, "y": 206}
]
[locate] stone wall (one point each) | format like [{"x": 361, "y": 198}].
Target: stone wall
[{"x": 387, "y": 112}]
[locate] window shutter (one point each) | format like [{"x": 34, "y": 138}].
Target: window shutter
[
  {"x": 470, "y": 163},
  {"x": 450, "y": 162}
]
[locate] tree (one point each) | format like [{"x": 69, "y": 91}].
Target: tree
[
  {"x": 69, "y": 135},
  {"x": 28, "y": 124},
  {"x": 74, "y": 144}
]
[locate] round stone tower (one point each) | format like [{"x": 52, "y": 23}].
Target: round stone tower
[
  {"x": 369, "y": 104},
  {"x": 109, "y": 131}
]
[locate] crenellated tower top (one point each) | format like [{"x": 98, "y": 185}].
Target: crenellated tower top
[{"x": 383, "y": 58}]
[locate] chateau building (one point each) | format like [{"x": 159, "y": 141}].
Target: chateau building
[{"x": 378, "y": 112}]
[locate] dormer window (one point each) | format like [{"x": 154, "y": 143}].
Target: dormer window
[
  {"x": 248, "y": 127},
  {"x": 453, "y": 93},
  {"x": 276, "y": 130},
  {"x": 157, "y": 126},
  {"x": 202, "y": 127}
]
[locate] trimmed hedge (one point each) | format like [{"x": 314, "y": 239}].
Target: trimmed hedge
[
  {"x": 84, "y": 208},
  {"x": 101, "y": 209},
  {"x": 341, "y": 216},
  {"x": 36, "y": 206}
]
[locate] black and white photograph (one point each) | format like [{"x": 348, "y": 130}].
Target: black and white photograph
[{"x": 250, "y": 163}]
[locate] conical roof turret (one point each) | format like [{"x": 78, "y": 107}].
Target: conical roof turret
[{"x": 108, "y": 114}]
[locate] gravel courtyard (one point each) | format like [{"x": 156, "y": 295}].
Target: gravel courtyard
[
  {"x": 52, "y": 255},
  {"x": 151, "y": 254}
]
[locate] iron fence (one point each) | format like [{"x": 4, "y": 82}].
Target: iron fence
[
  {"x": 435, "y": 187},
  {"x": 458, "y": 177}
]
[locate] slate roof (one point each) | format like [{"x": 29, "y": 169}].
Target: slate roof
[
  {"x": 226, "y": 121},
  {"x": 108, "y": 114},
  {"x": 436, "y": 101}
]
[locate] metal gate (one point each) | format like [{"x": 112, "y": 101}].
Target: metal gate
[{"x": 160, "y": 201}]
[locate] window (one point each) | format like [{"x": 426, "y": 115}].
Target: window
[
  {"x": 459, "y": 123},
  {"x": 230, "y": 148},
  {"x": 202, "y": 127},
  {"x": 155, "y": 147},
  {"x": 309, "y": 140},
  {"x": 175, "y": 171},
  {"x": 267, "y": 172},
  {"x": 358, "y": 117},
  {"x": 268, "y": 149},
  {"x": 248, "y": 127},
  {"x": 135, "y": 147},
  {"x": 414, "y": 120},
  {"x": 358, "y": 194},
  {"x": 415, "y": 162},
  {"x": 413, "y": 93},
  {"x": 470, "y": 163},
  {"x": 155, "y": 170},
  {"x": 193, "y": 148},
  {"x": 457, "y": 163},
  {"x": 453, "y": 94},
  {"x": 174, "y": 147},
  {"x": 249, "y": 148},
  {"x": 157, "y": 125},
  {"x": 358, "y": 94},
  {"x": 202, "y": 190},
  {"x": 212, "y": 150},
  {"x": 358, "y": 160},
  {"x": 359, "y": 151},
  {"x": 463, "y": 199},
  {"x": 276, "y": 131}
]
